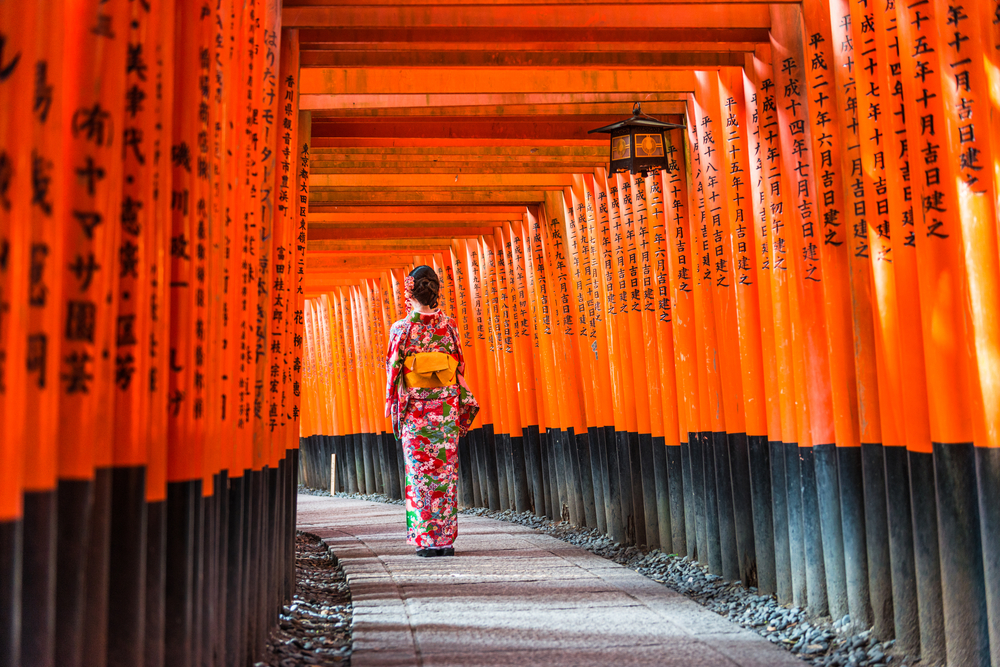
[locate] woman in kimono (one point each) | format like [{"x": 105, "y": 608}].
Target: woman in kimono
[{"x": 431, "y": 408}]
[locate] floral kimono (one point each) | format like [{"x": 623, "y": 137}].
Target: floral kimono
[{"x": 429, "y": 422}]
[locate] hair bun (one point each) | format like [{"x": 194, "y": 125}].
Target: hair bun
[{"x": 426, "y": 286}]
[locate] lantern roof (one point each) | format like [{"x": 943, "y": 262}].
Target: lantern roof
[{"x": 638, "y": 119}]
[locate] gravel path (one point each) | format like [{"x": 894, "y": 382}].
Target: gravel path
[
  {"x": 822, "y": 642},
  {"x": 511, "y": 596}
]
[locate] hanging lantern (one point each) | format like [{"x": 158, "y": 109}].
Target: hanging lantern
[{"x": 637, "y": 143}]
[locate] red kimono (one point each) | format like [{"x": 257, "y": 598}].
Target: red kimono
[{"x": 429, "y": 421}]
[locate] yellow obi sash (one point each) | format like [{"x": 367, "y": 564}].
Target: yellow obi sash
[{"x": 430, "y": 369}]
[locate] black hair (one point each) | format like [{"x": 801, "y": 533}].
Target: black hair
[{"x": 426, "y": 285}]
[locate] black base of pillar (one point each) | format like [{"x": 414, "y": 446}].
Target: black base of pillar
[
  {"x": 492, "y": 480},
  {"x": 198, "y": 605},
  {"x": 606, "y": 437},
  {"x": 221, "y": 565},
  {"x": 74, "y": 500},
  {"x": 761, "y": 504},
  {"x": 678, "y": 491},
  {"x": 698, "y": 494},
  {"x": 647, "y": 467},
  {"x": 625, "y": 484},
  {"x": 562, "y": 467},
  {"x": 548, "y": 474},
  {"x": 38, "y": 592},
  {"x": 598, "y": 461},
  {"x": 369, "y": 459},
  {"x": 852, "y": 521},
  {"x": 616, "y": 502},
  {"x": 251, "y": 560},
  {"x": 877, "y": 529},
  {"x": 565, "y": 476},
  {"x": 926, "y": 557},
  {"x": 724, "y": 497},
  {"x": 11, "y": 544},
  {"x": 183, "y": 509},
  {"x": 796, "y": 542},
  {"x": 828, "y": 493},
  {"x": 309, "y": 446},
  {"x": 400, "y": 466},
  {"x": 534, "y": 463},
  {"x": 812, "y": 534},
  {"x": 585, "y": 482},
  {"x": 95, "y": 624},
  {"x": 394, "y": 487},
  {"x": 962, "y": 576},
  {"x": 712, "y": 527},
  {"x": 235, "y": 574},
  {"x": 357, "y": 456},
  {"x": 522, "y": 495},
  {"x": 475, "y": 467},
  {"x": 988, "y": 465},
  {"x": 509, "y": 474},
  {"x": 690, "y": 515},
  {"x": 638, "y": 494},
  {"x": 383, "y": 482},
  {"x": 501, "y": 445},
  {"x": 272, "y": 555},
  {"x": 329, "y": 449},
  {"x": 739, "y": 461},
  {"x": 904, "y": 586},
  {"x": 342, "y": 469},
  {"x": 779, "y": 520},
  {"x": 127, "y": 567},
  {"x": 661, "y": 478},
  {"x": 156, "y": 582},
  {"x": 466, "y": 495}
]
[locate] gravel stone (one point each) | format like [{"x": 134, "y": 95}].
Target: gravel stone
[{"x": 315, "y": 628}]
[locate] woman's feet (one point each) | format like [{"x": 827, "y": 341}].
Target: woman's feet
[{"x": 432, "y": 552}]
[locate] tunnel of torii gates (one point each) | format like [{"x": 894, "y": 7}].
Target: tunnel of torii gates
[{"x": 778, "y": 356}]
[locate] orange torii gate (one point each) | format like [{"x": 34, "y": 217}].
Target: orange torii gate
[
  {"x": 777, "y": 355},
  {"x": 153, "y": 252},
  {"x": 781, "y": 326}
]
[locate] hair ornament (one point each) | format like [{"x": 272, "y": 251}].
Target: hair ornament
[{"x": 408, "y": 291}]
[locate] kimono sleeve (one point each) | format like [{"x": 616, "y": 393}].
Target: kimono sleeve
[
  {"x": 468, "y": 406},
  {"x": 394, "y": 372}
]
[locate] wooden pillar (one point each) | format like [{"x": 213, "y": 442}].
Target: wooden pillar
[
  {"x": 597, "y": 275},
  {"x": 680, "y": 262},
  {"x": 161, "y": 220},
  {"x": 15, "y": 212},
  {"x": 667, "y": 454},
  {"x": 140, "y": 201},
  {"x": 94, "y": 74},
  {"x": 773, "y": 455},
  {"x": 44, "y": 337},
  {"x": 596, "y": 396},
  {"x": 944, "y": 187},
  {"x": 615, "y": 509},
  {"x": 629, "y": 484},
  {"x": 785, "y": 487},
  {"x": 186, "y": 349}
]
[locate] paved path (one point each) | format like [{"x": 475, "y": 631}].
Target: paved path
[{"x": 513, "y": 596}]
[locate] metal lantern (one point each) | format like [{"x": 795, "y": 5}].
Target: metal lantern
[{"x": 637, "y": 143}]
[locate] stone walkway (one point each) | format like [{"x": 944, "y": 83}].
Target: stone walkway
[{"x": 513, "y": 596}]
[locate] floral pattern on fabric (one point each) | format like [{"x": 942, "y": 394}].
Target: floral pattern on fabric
[{"x": 429, "y": 421}]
